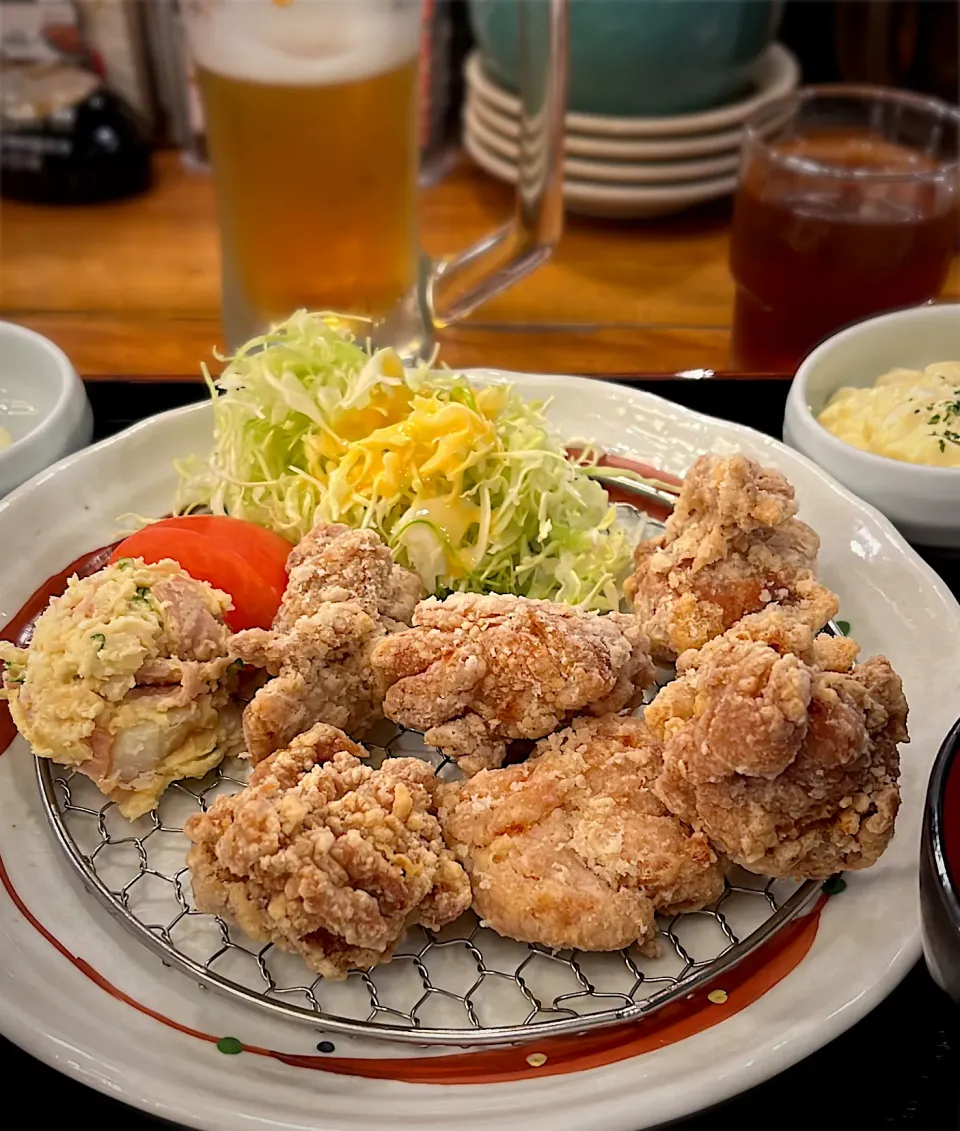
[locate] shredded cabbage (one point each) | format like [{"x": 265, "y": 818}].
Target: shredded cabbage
[{"x": 467, "y": 484}]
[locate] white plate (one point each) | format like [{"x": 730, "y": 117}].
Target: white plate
[
  {"x": 776, "y": 74},
  {"x": 614, "y": 172},
  {"x": 867, "y": 938},
  {"x": 615, "y": 202},
  {"x": 601, "y": 148}
]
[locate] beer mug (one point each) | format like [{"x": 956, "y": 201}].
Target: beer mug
[{"x": 312, "y": 130}]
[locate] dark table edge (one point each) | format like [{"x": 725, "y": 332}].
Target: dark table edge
[{"x": 161, "y": 379}]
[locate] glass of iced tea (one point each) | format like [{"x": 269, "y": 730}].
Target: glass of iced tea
[{"x": 847, "y": 206}]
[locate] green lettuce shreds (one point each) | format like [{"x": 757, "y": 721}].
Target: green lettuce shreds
[{"x": 465, "y": 482}]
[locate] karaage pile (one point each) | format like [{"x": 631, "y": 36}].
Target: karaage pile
[
  {"x": 344, "y": 595},
  {"x": 573, "y": 848},
  {"x": 731, "y": 546},
  {"x": 782, "y": 750},
  {"x": 325, "y": 857},
  {"x": 476, "y": 672}
]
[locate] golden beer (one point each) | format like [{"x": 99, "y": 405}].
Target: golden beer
[{"x": 310, "y": 113}]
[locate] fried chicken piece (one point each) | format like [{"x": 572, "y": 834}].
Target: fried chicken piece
[
  {"x": 325, "y": 857},
  {"x": 572, "y": 848},
  {"x": 335, "y": 563},
  {"x": 344, "y": 594},
  {"x": 731, "y": 546},
  {"x": 478, "y": 671},
  {"x": 781, "y": 750}
]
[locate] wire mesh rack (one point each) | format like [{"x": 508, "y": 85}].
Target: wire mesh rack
[{"x": 464, "y": 985}]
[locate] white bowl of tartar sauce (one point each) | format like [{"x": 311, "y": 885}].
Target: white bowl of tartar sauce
[
  {"x": 878, "y": 407},
  {"x": 44, "y": 411}
]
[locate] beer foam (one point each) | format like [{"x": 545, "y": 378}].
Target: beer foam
[{"x": 303, "y": 42}]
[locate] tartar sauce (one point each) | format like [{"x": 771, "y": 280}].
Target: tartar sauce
[{"x": 907, "y": 414}]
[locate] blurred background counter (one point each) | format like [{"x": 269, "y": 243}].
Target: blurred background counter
[
  {"x": 131, "y": 287},
  {"x": 141, "y": 294}
]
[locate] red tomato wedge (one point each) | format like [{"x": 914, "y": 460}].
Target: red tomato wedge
[
  {"x": 239, "y": 561},
  {"x": 261, "y": 548}
]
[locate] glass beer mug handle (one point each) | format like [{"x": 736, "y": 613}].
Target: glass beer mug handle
[{"x": 460, "y": 284}]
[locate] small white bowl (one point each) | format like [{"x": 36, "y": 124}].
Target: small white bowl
[
  {"x": 923, "y": 502},
  {"x": 43, "y": 405}
]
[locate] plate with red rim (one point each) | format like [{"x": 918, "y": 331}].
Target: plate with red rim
[{"x": 83, "y": 996}]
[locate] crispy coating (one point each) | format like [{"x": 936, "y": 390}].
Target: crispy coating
[
  {"x": 335, "y": 563},
  {"x": 325, "y": 857},
  {"x": 572, "y": 848},
  {"x": 782, "y": 751},
  {"x": 731, "y": 546},
  {"x": 476, "y": 672},
  {"x": 344, "y": 594}
]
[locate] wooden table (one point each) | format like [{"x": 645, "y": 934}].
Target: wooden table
[{"x": 134, "y": 288}]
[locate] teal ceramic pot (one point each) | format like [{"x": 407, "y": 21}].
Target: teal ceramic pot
[{"x": 642, "y": 57}]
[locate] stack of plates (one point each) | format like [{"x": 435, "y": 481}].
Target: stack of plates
[{"x": 628, "y": 167}]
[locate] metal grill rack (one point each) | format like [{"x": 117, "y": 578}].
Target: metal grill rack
[{"x": 464, "y": 985}]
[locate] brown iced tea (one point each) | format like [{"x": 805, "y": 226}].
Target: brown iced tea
[{"x": 834, "y": 226}]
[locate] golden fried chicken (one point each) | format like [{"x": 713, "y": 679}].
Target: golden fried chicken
[
  {"x": 344, "y": 594},
  {"x": 476, "y": 672},
  {"x": 572, "y": 848},
  {"x": 335, "y": 563},
  {"x": 325, "y": 857},
  {"x": 731, "y": 546},
  {"x": 781, "y": 750}
]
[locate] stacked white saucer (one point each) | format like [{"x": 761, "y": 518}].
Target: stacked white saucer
[{"x": 628, "y": 167}]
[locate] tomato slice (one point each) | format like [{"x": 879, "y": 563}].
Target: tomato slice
[
  {"x": 261, "y": 548},
  {"x": 256, "y": 598}
]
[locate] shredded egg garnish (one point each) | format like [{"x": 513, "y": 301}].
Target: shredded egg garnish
[
  {"x": 907, "y": 414},
  {"x": 407, "y": 443}
]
